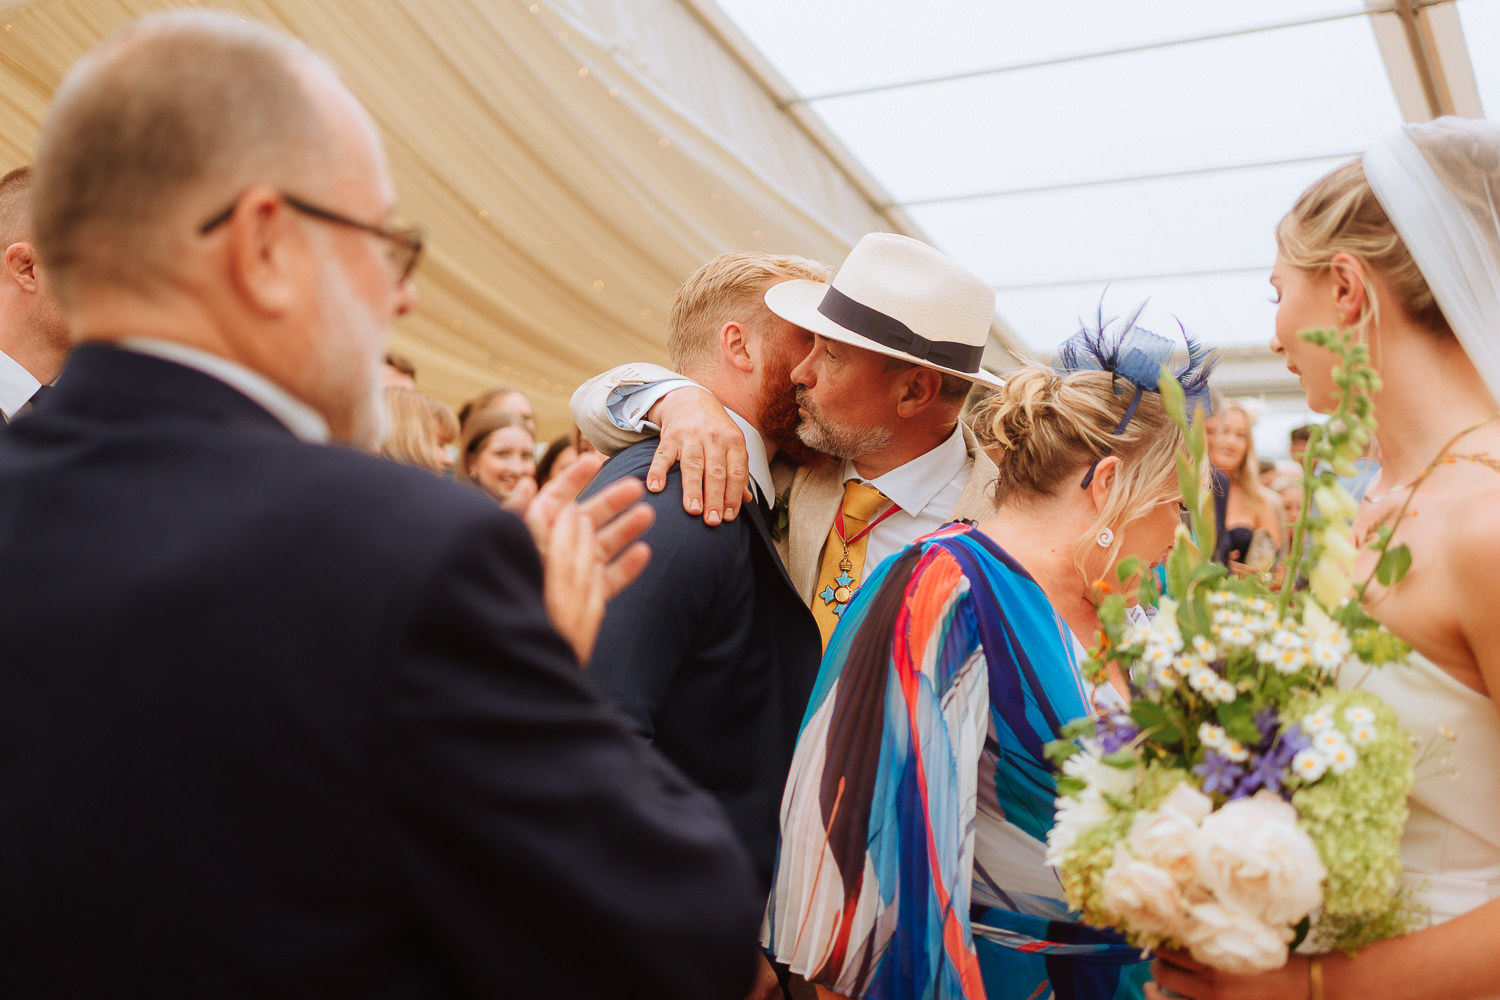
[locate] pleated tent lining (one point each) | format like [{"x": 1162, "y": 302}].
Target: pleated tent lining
[{"x": 562, "y": 207}]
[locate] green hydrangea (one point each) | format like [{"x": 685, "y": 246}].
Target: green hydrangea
[{"x": 1355, "y": 819}]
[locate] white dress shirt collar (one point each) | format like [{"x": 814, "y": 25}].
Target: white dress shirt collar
[
  {"x": 17, "y": 385},
  {"x": 299, "y": 418},
  {"x": 913, "y": 485},
  {"x": 760, "y": 464}
]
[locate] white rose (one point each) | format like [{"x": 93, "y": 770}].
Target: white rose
[
  {"x": 1166, "y": 839},
  {"x": 1233, "y": 941},
  {"x": 1254, "y": 858},
  {"x": 1144, "y": 896},
  {"x": 1188, "y": 801}
]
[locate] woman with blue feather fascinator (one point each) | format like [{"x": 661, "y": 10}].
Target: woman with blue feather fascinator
[{"x": 913, "y": 850}]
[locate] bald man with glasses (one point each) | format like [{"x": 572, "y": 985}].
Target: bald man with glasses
[{"x": 277, "y": 718}]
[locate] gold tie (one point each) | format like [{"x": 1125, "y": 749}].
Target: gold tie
[{"x": 844, "y": 554}]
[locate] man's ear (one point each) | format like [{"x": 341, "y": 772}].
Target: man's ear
[
  {"x": 919, "y": 387},
  {"x": 268, "y": 252},
  {"x": 734, "y": 341},
  {"x": 1349, "y": 286},
  {"x": 21, "y": 265}
]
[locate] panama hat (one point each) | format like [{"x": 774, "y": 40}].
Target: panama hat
[{"x": 899, "y": 297}]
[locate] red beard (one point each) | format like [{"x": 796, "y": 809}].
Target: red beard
[{"x": 776, "y": 410}]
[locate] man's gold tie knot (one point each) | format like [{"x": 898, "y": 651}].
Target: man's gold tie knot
[{"x": 843, "y": 563}]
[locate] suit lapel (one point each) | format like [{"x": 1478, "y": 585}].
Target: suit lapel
[
  {"x": 761, "y": 530},
  {"x": 977, "y": 502}
]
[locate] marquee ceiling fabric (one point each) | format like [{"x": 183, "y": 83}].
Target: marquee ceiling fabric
[{"x": 571, "y": 162}]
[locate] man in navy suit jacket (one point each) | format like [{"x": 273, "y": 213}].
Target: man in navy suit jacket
[
  {"x": 711, "y": 653},
  {"x": 278, "y": 718}
]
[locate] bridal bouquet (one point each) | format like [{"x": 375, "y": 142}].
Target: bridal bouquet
[{"x": 1243, "y": 801}]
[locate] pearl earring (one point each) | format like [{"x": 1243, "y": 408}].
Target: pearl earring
[{"x": 1106, "y": 538}]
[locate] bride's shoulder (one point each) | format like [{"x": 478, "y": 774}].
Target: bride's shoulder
[{"x": 1459, "y": 510}]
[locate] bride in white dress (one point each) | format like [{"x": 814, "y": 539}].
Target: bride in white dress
[{"x": 1404, "y": 246}]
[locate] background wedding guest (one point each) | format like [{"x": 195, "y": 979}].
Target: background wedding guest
[
  {"x": 1402, "y": 247},
  {"x": 1288, "y": 488},
  {"x": 399, "y": 371},
  {"x": 33, "y": 329},
  {"x": 497, "y": 453},
  {"x": 1252, "y": 531},
  {"x": 1297, "y": 440},
  {"x": 282, "y": 718},
  {"x": 914, "y": 826},
  {"x": 419, "y": 430},
  {"x": 506, "y": 398},
  {"x": 560, "y": 454}
]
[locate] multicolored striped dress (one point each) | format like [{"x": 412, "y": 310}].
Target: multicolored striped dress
[{"x": 914, "y": 821}]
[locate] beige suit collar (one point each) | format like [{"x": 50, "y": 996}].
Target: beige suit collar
[{"x": 817, "y": 492}]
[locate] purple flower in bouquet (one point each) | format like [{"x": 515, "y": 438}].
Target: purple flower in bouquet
[
  {"x": 1273, "y": 767},
  {"x": 1221, "y": 776},
  {"x": 1117, "y": 731}
]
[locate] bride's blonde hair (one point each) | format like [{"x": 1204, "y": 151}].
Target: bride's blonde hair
[
  {"x": 1340, "y": 214},
  {"x": 1044, "y": 430}
]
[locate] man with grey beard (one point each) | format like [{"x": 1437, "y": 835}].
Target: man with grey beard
[
  {"x": 280, "y": 718},
  {"x": 897, "y": 340}
]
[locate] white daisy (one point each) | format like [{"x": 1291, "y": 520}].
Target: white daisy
[
  {"x": 1342, "y": 759},
  {"x": 1309, "y": 765},
  {"x": 1317, "y": 722}
]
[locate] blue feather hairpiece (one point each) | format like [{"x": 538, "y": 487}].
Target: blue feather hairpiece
[{"x": 1136, "y": 355}]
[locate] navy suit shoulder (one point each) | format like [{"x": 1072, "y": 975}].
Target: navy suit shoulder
[
  {"x": 711, "y": 654},
  {"x": 282, "y": 719}
]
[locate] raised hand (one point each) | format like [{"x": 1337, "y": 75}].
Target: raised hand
[
  {"x": 698, "y": 435},
  {"x": 590, "y": 550}
]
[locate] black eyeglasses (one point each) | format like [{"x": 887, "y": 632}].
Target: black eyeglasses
[{"x": 405, "y": 244}]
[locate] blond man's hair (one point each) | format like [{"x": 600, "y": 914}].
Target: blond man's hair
[
  {"x": 15, "y": 207},
  {"x": 729, "y": 288},
  {"x": 173, "y": 115},
  {"x": 1044, "y": 430}
]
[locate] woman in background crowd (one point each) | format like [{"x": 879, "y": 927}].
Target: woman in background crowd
[
  {"x": 498, "y": 454},
  {"x": 501, "y": 397},
  {"x": 1252, "y": 532},
  {"x": 420, "y": 430},
  {"x": 912, "y": 858},
  {"x": 560, "y": 454}
]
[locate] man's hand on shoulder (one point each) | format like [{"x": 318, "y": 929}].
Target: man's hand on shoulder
[
  {"x": 590, "y": 551},
  {"x": 698, "y": 435}
]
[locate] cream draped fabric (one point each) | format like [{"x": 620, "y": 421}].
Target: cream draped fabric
[
  {"x": 1439, "y": 182},
  {"x": 571, "y": 161}
]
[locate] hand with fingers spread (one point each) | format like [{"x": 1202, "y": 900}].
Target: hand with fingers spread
[
  {"x": 590, "y": 550},
  {"x": 698, "y": 434}
]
